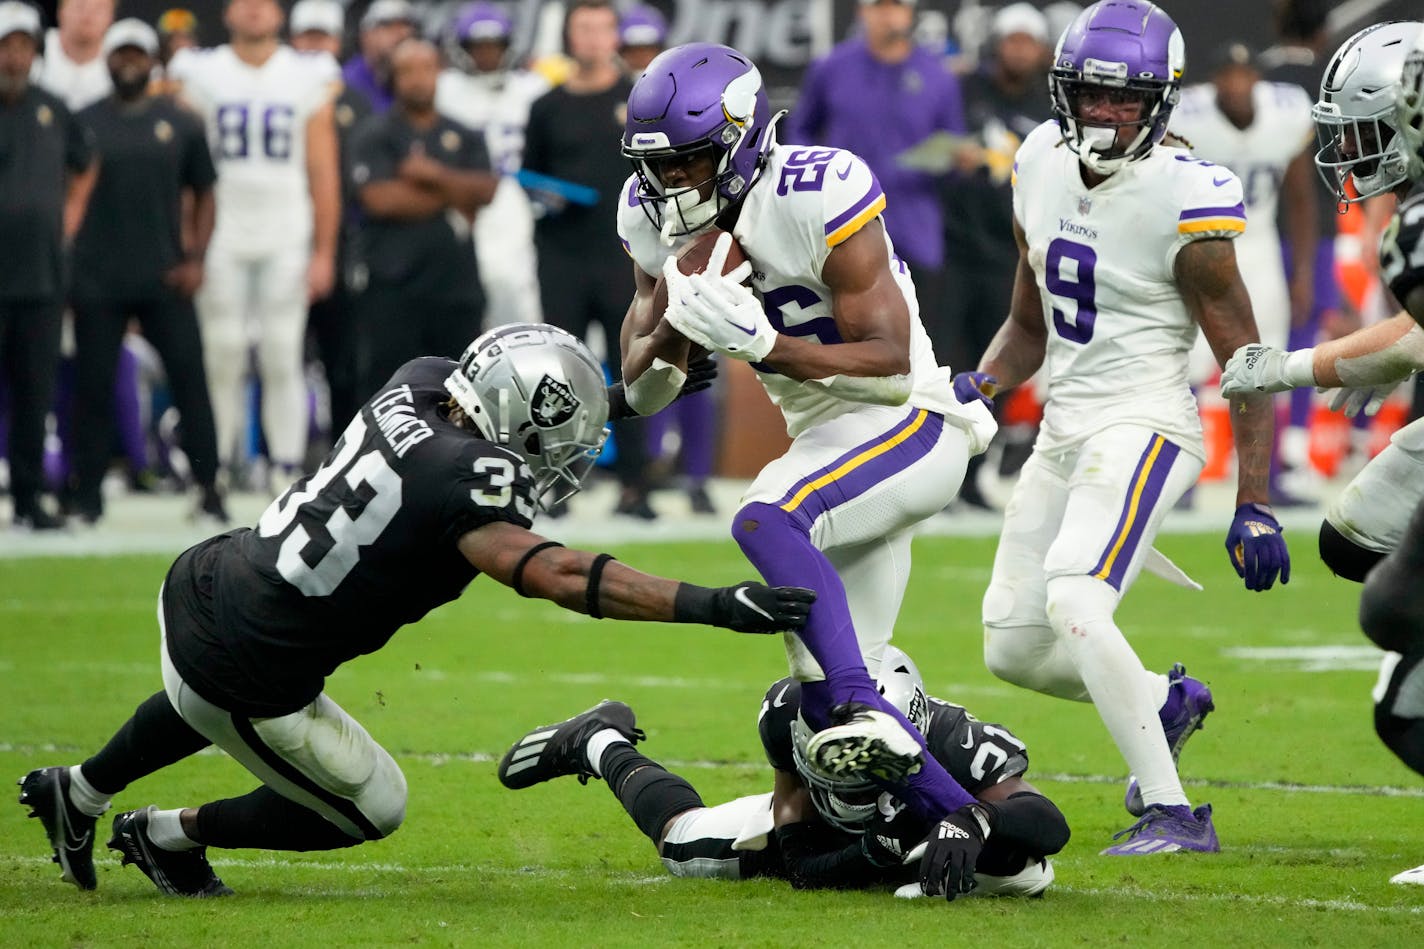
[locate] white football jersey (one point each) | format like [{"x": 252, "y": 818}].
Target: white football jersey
[
  {"x": 79, "y": 85},
  {"x": 1258, "y": 154},
  {"x": 256, "y": 118},
  {"x": 807, "y": 201},
  {"x": 1118, "y": 330}
]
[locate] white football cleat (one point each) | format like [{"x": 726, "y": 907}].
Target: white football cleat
[
  {"x": 866, "y": 741},
  {"x": 1032, "y": 880},
  {"x": 1415, "y": 876}
]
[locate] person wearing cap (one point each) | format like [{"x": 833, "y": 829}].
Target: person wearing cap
[
  {"x": 879, "y": 94},
  {"x": 318, "y": 26},
  {"x": 73, "y": 65},
  {"x": 489, "y": 94},
  {"x": 383, "y": 26},
  {"x": 420, "y": 178},
  {"x": 584, "y": 277},
  {"x": 45, "y": 181},
  {"x": 155, "y": 185},
  {"x": 1262, "y": 131},
  {"x": 642, "y": 34},
  {"x": 270, "y": 126},
  {"x": 1003, "y": 103}
]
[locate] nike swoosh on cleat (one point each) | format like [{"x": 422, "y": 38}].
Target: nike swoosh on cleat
[
  {"x": 843, "y": 175},
  {"x": 742, "y": 598}
]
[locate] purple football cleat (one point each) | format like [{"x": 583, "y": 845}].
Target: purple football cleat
[
  {"x": 1187, "y": 706},
  {"x": 1167, "y": 829}
]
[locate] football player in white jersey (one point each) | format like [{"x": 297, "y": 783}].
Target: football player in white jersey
[
  {"x": 269, "y": 117},
  {"x": 73, "y": 66},
  {"x": 487, "y": 93},
  {"x": 1125, "y": 250},
  {"x": 1371, "y": 131},
  {"x": 831, "y": 324}
]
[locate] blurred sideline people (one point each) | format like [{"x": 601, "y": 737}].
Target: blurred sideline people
[
  {"x": 879, "y": 94},
  {"x": 485, "y": 92},
  {"x": 269, "y": 119},
  {"x": 318, "y": 26},
  {"x": 642, "y": 34},
  {"x": 1003, "y": 103},
  {"x": 73, "y": 66},
  {"x": 584, "y": 276},
  {"x": 1262, "y": 131},
  {"x": 420, "y": 178},
  {"x": 1299, "y": 57},
  {"x": 130, "y": 261},
  {"x": 44, "y": 183},
  {"x": 384, "y": 24}
]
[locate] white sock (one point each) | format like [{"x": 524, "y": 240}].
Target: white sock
[
  {"x": 83, "y": 796},
  {"x": 165, "y": 829},
  {"x": 1126, "y": 695},
  {"x": 598, "y": 743}
]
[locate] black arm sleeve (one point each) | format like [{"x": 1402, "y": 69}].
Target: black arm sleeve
[
  {"x": 1028, "y": 821},
  {"x": 810, "y": 867}
]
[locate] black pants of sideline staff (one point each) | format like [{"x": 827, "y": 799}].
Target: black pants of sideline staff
[
  {"x": 396, "y": 327},
  {"x": 170, "y": 324},
  {"x": 29, "y": 356}
]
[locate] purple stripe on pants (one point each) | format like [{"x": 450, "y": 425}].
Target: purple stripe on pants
[
  {"x": 1136, "y": 510},
  {"x": 869, "y": 472}
]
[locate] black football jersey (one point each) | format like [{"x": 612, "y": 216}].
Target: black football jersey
[
  {"x": 1402, "y": 247},
  {"x": 347, "y": 555},
  {"x": 976, "y": 754}
]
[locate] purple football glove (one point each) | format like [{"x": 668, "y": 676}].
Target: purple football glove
[
  {"x": 1256, "y": 547},
  {"x": 969, "y": 386}
]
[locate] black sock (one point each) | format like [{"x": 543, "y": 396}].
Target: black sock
[
  {"x": 265, "y": 820},
  {"x": 650, "y": 794},
  {"x": 154, "y": 738}
]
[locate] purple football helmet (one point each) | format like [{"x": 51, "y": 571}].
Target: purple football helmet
[
  {"x": 642, "y": 26},
  {"x": 693, "y": 98},
  {"x": 481, "y": 21},
  {"x": 1124, "y": 48}
]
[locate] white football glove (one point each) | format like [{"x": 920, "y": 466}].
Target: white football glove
[
  {"x": 1367, "y": 399},
  {"x": 717, "y": 312},
  {"x": 1257, "y": 367}
]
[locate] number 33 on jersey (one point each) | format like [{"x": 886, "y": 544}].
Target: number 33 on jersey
[{"x": 1103, "y": 257}]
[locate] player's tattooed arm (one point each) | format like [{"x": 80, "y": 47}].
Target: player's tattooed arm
[
  {"x": 1210, "y": 284},
  {"x": 1018, "y": 348}
]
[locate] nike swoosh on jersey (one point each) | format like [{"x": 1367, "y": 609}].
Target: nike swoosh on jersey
[
  {"x": 742, "y": 598},
  {"x": 1220, "y": 181},
  {"x": 968, "y": 741},
  {"x": 843, "y": 175}
]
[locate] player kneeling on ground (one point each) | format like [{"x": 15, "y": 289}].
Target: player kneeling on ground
[
  {"x": 434, "y": 482},
  {"x": 815, "y": 829}
]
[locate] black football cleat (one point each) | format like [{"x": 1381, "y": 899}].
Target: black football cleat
[
  {"x": 71, "y": 832},
  {"x": 551, "y": 751},
  {"x": 175, "y": 872}
]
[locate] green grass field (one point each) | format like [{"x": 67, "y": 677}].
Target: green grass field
[{"x": 1313, "y": 813}]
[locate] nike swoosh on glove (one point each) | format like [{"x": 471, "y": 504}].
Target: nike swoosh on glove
[
  {"x": 1257, "y": 548},
  {"x": 753, "y": 607},
  {"x": 969, "y": 386},
  {"x": 716, "y": 311},
  {"x": 947, "y": 868},
  {"x": 1353, "y": 401}
]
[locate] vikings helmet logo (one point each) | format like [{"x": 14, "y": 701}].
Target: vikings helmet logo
[{"x": 553, "y": 404}]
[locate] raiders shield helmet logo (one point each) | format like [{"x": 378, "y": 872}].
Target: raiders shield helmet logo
[{"x": 553, "y": 404}]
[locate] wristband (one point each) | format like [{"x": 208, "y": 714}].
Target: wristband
[
  {"x": 595, "y": 579},
  {"x": 1299, "y": 368},
  {"x": 694, "y": 604},
  {"x": 517, "y": 581}
]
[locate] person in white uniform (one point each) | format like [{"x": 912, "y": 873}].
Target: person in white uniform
[
  {"x": 487, "y": 93},
  {"x": 1125, "y": 249},
  {"x": 73, "y": 66},
  {"x": 269, "y": 118},
  {"x": 830, "y": 323}
]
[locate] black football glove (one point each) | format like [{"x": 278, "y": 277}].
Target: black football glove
[
  {"x": 748, "y": 607},
  {"x": 889, "y": 839},
  {"x": 701, "y": 373},
  {"x": 947, "y": 868}
]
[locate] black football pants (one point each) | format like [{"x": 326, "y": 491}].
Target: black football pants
[
  {"x": 396, "y": 327},
  {"x": 29, "y": 361}
]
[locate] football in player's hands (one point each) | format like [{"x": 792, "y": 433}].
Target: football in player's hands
[{"x": 693, "y": 258}]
